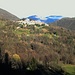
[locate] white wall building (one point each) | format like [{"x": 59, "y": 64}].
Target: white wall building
[{"x": 30, "y": 22}]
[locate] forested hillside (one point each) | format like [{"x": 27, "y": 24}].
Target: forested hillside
[
  {"x": 68, "y": 23},
  {"x": 35, "y": 49},
  {"x": 6, "y": 15}
]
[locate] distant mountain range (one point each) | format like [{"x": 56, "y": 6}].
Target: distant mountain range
[
  {"x": 66, "y": 22},
  {"x": 47, "y": 19},
  {"x": 6, "y": 15}
]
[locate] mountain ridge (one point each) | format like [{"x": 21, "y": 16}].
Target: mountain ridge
[
  {"x": 67, "y": 22},
  {"x": 7, "y": 15},
  {"x": 47, "y": 19}
]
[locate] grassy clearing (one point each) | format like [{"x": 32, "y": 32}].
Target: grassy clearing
[
  {"x": 69, "y": 69},
  {"x": 21, "y": 31}
]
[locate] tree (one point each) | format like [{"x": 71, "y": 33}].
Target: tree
[{"x": 16, "y": 61}]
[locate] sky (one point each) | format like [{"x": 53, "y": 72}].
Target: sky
[{"x": 24, "y": 8}]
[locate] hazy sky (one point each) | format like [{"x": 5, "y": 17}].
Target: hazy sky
[{"x": 24, "y": 8}]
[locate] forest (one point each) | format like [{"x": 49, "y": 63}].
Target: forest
[{"x": 36, "y": 49}]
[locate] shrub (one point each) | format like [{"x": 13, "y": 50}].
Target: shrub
[
  {"x": 32, "y": 65},
  {"x": 16, "y": 61},
  {"x": 16, "y": 58}
]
